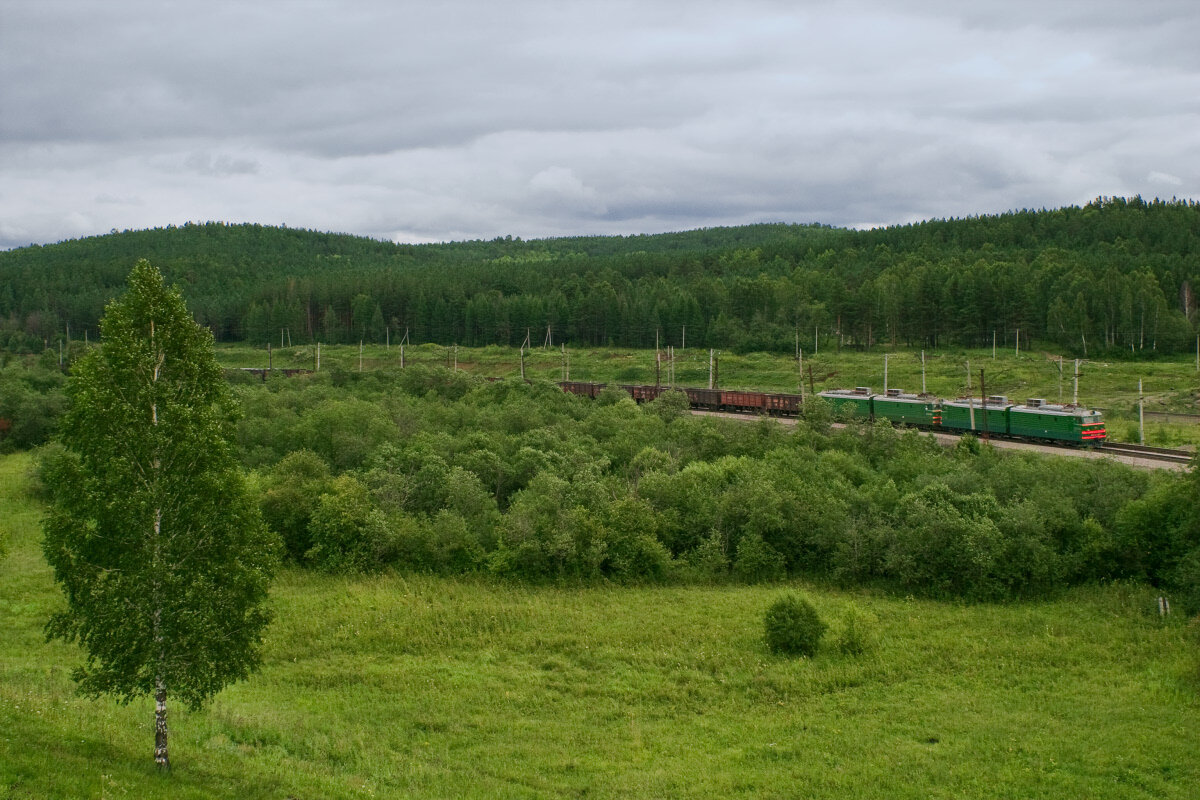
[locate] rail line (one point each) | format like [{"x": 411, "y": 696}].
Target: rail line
[{"x": 1168, "y": 454}]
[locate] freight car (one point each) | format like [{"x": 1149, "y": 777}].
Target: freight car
[{"x": 995, "y": 416}]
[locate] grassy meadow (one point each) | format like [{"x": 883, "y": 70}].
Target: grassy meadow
[
  {"x": 412, "y": 686},
  {"x": 1169, "y": 386}
]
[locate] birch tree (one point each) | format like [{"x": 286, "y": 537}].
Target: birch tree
[{"x": 159, "y": 550}]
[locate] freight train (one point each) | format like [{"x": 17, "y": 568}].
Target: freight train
[{"x": 1035, "y": 419}]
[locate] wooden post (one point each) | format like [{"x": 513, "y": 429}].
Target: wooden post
[
  {"x": 1018, "y": 342},
  {"x": 683, "y": 340},
  {"x": 885, "y": 360},
  {"x": 270, "y": 361},
  {"x": 360, "y": 354}
]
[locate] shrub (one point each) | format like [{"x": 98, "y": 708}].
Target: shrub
[
  {"x": 858, "y": 632},
  {"x": 793, "y": 627},
  {"x": 757, "y": 561},
  {"x": 348, "y": 535}
]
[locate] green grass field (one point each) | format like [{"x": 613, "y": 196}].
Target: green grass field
[
  {"x": 1168, "y": 386},
  {"x": 401, "y": 686}
]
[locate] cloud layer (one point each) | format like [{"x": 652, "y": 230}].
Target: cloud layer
[{"x": 428, "y": 122}]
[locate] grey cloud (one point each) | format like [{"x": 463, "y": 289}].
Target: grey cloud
[
  {"x": 220, "y": 165},
  {"x": 472, "y": 119}
]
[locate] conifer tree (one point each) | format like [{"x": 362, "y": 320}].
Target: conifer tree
[{"x": 161, "y": 553}]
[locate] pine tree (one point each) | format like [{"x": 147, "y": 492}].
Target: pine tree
[{"x": 160, "y": 551}]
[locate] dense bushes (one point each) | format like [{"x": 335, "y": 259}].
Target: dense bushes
[
  {"x": 31, "y": 401},
  {"x": 524, "y": 481}
]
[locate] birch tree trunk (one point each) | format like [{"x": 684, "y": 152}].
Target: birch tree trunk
[{"x": 161, "y": 758}]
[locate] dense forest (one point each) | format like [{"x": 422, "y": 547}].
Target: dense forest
[
  {"x": 1115, "y": 276},
  {"x": 430, "y": 470}
]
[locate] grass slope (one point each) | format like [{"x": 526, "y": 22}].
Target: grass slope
[{"x": 398, "y": 686}]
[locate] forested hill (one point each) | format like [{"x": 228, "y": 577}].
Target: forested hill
[{"x": 1114, "y": 276}]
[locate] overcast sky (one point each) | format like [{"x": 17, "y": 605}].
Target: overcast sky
[{"x": 444, "y": 120}]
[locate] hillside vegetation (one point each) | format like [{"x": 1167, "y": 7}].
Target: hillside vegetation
[
  {"x": 1116, "y": 276},
  {"x": 420, "y": 686}
]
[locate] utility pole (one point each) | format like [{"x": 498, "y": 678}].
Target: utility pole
[
  {"x": 800, "y": 372},
  {"x": 968, "y": 374},
  {"x": 683, "y": 341},
  {"x": 360, "y": 354},
  {"x": 1018, "y": 342},
  {"x": 885, "y": 365},
  {"x": 983, "y": 393},
  {"x": 657, "y": 360},
  {"x": 1075, "y": 396},
  {"x": 524, "y": 345},
  {"x": 1141, "y": 415},
  {"x": 922, "y": 372},
  {"x": 318, "y": 369}
]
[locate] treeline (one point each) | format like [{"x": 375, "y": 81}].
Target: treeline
[
  {"x": 1115, "y": 276},
  {"x": 432, "y": 470}
]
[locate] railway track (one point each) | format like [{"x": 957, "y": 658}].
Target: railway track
[{"x": 1143, "y": 451}]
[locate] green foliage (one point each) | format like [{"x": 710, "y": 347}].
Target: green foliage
[
  {"x": 757, "y": 561},
  {"x": 857, "y": 633},
  {"x": 1102, "y": 279},
  {"x": 792, "y": 627},
  {"x": 360, "y": 669},
  {"x": 290, "y": 494},
  {"x": 671, "y": 405},
  {"x": 161, "y": 553},
  {"x": 31, "y": 401},
  {"x": 348, "y": 534}
]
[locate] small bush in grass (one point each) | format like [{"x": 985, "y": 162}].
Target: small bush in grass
[
  {"x": 858, "y": 632},
  {"x": 793, "y": 627}
]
